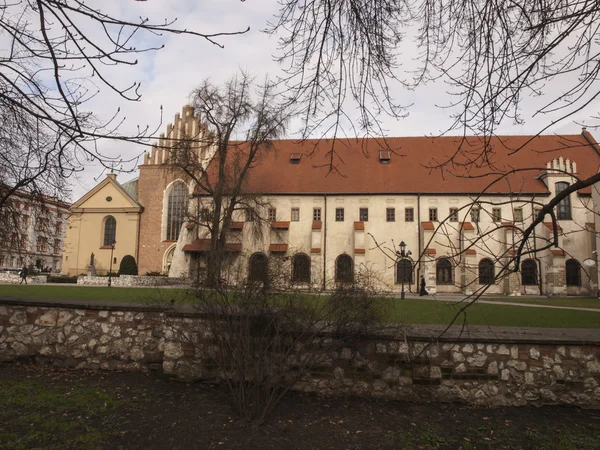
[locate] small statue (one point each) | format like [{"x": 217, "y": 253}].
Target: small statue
[{"x": 92, "y": 259}]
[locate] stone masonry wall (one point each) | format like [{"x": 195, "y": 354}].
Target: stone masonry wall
[
  {"x": 13, "y": 278},
  {"x": 131, "y": 281},
  {"x": 480, "y": 372}
]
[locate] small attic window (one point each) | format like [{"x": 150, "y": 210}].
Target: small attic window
[
  {"x": 384, "y": 156},
  {"x": 295, "y": 158}
]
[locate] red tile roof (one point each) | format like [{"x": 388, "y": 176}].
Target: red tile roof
[
  {"x": 359, "y": 225},
  {"x": 557, "y": 252},
  {"x": 280, "y": 225},
  {"x": 550, "y": 226},
  {"x": 468, "y": 226},
  {"x": 430, "y": 251},
  {"x": 278, "y": 248},
  {"x": 317, "y": 225},
  {"x": 203, "y": 245},
  {"x": 315, "y": 250},
  {"x": 428, "y": 226},
  {"x": 412, "y": 167},
  {"x": 359, "y": 251},
  {"x": 236, "y": 226},
  {"x": 470, "y": 251}
]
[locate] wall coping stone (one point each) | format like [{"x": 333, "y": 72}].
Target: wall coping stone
[{"x": 435, "y": 333}]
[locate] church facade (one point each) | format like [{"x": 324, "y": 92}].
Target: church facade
[{"x": 459, "y": 212}]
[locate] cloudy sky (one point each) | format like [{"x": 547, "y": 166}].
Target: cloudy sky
[{"x": 169, "y": 75}]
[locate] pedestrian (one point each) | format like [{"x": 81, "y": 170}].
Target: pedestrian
[
  {"x": 423, "y": 291},
  {"x": 23, "y": 274}
]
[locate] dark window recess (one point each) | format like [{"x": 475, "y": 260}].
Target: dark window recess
[
  {"x": 529, "y": 273},
  {"x": 404, "y": 271},
  {"x": 364, "y": 214},
  {"x": 573, "y": 272},
  {"x": 110, "y": 231},
  {"x": 344, "y": 269},
  {"x": 453, "y": 216},
  {"x": 433, "y": 217},
  {"x": 259, "y": 265},
  {"x": 301, "y": 268},
  {"x": 563, "y": 209},
  {"x": 409, "y": 215},
  {"x": 317, "y": 214},
  {"x": 339, "y": 214},
  {"x": 486, "y": 271},
  {"x": 390, "y": 214},
  {"x": 443, "y": 271},
  {"x": 295, "y": 158},
  {"x": 385, "y": 156}
]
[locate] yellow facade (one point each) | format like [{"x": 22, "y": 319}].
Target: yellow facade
[{"x": 87, "y": 229}]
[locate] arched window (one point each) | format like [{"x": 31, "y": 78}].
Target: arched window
[
  {"x": 110, "y": 231},
  {"x": 176, "y": 209},
  {"x": 529, "y": 273},
  {"x": 486, "y": 271},
  {"x": 344, "y": 269},
  {"x": 573, "y": 269},
  {"x": 259, "y": 268},
  {"x": 404, "y": 271},
  {"x": 563, "y": 209},
  {"x": 443, "y": 271},
  {"x": 301, "y": 268}
]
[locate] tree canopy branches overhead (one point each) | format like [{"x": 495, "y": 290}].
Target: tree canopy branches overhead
[
  {"x": 492, "y": 54},
  {"x": 56, "y": 57}
]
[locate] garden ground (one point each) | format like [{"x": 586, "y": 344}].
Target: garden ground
[{"x": 50, "y": 408}]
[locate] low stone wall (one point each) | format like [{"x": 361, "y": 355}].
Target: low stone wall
[
  {"x": 131, "y": 281},
  {"x": 14, "y": 278},
  {"x": 487, "y": 372}
]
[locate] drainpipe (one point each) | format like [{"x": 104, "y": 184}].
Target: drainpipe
[
  {"x": 419, "y": 237},
  {"x": 325, "y": 242}
]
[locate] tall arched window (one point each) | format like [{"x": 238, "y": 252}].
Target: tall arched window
[
  {"x": 344, "y": 269},
  {"x": 529, "y": 273},
  {"x": 259, "y": 268},
  {"x": 404, "y": 271},
  {"x": 443, "y": 271},
  {"x": 573, "y": 269},
  {"x": 486, "y": 271},
  {"x": 301, "y": 268},
  {"x": 110, "y": 231},
  {"x": 563, "y": 209},
  {"x": 176, "y": 209}
]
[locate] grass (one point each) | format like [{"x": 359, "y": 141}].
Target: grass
[
  {"x": 36, "y": 415},
  {"x": 411, "y": 311},
  {"x": 573, "y": 302}
]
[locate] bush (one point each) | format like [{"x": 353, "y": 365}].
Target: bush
[
  {"x": 128, "y": 266},
  {"x": 62, "y": 279},
  {"x": 154, "y": 274}
]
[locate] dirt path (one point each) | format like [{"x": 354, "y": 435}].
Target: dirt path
[{"x": 54, "y": 408}]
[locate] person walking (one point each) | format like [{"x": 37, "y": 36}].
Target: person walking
[
  {"x": 423, "y": 291},
  {"x": 23, "y": 274}
]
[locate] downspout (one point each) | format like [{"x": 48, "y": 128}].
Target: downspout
[
  {"x": 325, "y": 243},
  {"x": 538, "y": 260},
  {"x": 419, "y": 238}
]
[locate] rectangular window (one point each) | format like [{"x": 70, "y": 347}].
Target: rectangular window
[
  {"x": 475, "y": 215},
  {"x": 249, "y": 215},
  {"x": 433, "y": 217},
  {"x": 205, "y": 215},
  {"x": 59, "y": 228},
  {"x": 56, "y": 246},
  {"x": 390, "y": 214},
  {"x": 453, "y": 217},
  {"x": 316, "y": 214},
  {"x": 409, "y": 215},
  {"x": 536, "y": 212},
  {"x": 518, "y": 214},
  {"x": 363, "y": 214},
  {"x": 497, "y": 214},
  {"x": 272, "y": 214},
  {"x": 295, "y": 214},
  {"x": 339, "y": 214},
  {"x": 41, "y": 245}
]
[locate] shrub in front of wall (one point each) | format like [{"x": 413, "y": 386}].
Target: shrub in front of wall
[{"x": 128, "y": 266}]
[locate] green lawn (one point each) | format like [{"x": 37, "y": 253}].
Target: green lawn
[
  {"x": 407, "y": 311},
  {"x": 574, "y": 302}
]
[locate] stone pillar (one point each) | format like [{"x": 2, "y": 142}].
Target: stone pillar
[
  {"x": 428, "y": 265},
  {"x": 469, "y": 272},
  {"x": 556, "y": 277}
]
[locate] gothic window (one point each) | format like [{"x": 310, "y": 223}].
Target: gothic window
[
  {"x": 110, "y": 231},
  {"x": 344, "y": 270},
  {"x": 404, "y": 272},
  {"x": 573, "y": 269},
  {"x": 301, "y": 268},
  {"x": 529, "y": 273},
  {"x": 563, "y": 209},
  {"x": 486, "y": 271},
  {"x": 443, "y": 271},
  {"x": 176, "y": 209},
  {"x": 259, "y": 266}
]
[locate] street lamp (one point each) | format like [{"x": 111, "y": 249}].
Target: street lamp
[
  {"x": 403, "y": 253},
  {"x": 112, "y": 249}
]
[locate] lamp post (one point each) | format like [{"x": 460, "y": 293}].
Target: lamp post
[
  {"x": 112, "y": 249},
  {"x": 403, "y": 253}
]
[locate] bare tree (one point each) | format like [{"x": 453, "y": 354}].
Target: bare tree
[
  {"x": 56, "y": 59},
  {"x": 241, "y": 124}
]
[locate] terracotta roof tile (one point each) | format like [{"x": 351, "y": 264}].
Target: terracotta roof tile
[
  {"x": 317, "y": 225},
  {"x": 203, "y": 245},
  {"x": 550, "y": 226},
  {"x": 412, "y": 168},
  {"x": 470, "y": 251},
  {"x": 189, "y": 226},
  {"x": 278, "y": 248},
  {"x": 467, "y": 226},
  {"x": 280, "y": 225},
  {"x": 508, "y": 224},
  {"x": 557, "y": 252},
  {"x": 359, "y": 225},
  {"x": 590, "y": 226},
  {"x": 315, "y": 250},
  {"x": 430, "y": 251},
  {"x": 428, "y": 226},
  {"x": 359, "y": 251},
  {"x": 237, "y": 226}
]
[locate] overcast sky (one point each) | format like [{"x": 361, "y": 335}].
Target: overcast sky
[{"x": 169, "y": 75}]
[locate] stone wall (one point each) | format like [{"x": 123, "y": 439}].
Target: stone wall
[
  {"x": 131, "y": 281},
  {"x": 488, "y": 371},
  {"x": 14, "y": 278}
]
